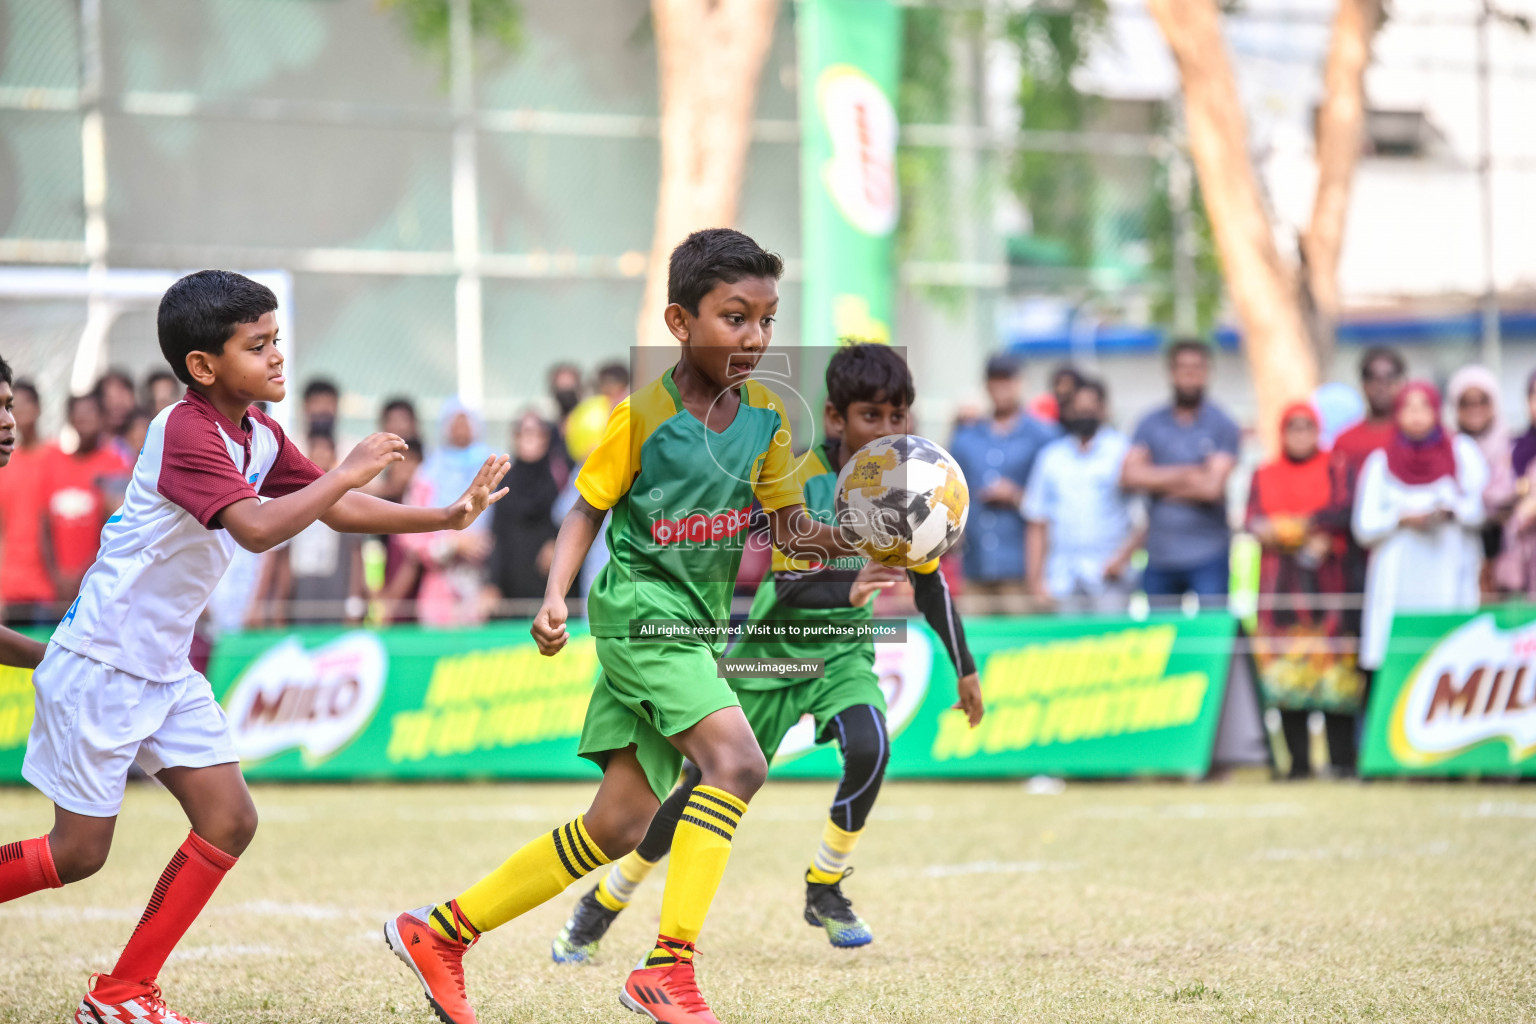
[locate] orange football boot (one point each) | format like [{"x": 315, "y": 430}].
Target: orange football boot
[
  {"x": 668, "y": 994},
  {"x": 437, "y": 963}
]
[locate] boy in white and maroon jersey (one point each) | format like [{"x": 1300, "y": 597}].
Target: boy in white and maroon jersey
[
  {"x": 15, "y": 649},
  {"x": 116, "y": 687}
]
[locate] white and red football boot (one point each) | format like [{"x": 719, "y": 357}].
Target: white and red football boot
[{"x": 111, "y": 1001}]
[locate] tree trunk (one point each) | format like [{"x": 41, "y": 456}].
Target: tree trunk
[
  {"x": 1280, "y": 354},
  {"x": 710, "y": 55},
  {"x": 1340, "y": 128}
]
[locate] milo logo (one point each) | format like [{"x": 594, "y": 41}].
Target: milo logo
[
  {"x": 313, "y": 701},
  {"x": 1477, "y": 684},
  {"x": 860, "y": 176}
]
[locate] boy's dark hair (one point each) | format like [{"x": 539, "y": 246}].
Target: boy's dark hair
[
  {"x": 199, "y": 313},
  {"x": 613, "y": 373},
  {"x": 321, "y": 386},
  {"x": 1381, "y": 353},
  {"x": 1179, "y": 346},
  {"x": 5, "y": 371},
  {"x": 868, "y": 372},
  {"x": 715, "y": 256},
  {"x": 23, "y": 384}
]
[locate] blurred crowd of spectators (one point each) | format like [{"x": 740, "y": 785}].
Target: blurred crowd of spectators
[
  {"x": 1067, "y": 511},
  {"x": 1376, "y": 503},
  {"x": 1063, "y": 502},
  {"x": 59, "y": 492},
  {"x": 497, "y": 568}
]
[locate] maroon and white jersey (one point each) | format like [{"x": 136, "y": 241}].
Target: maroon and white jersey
[{"x": 162, "y": 554}]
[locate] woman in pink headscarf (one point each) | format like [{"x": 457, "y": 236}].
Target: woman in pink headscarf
[
  {"x": 1474, "y": 394},
  {"x": 1419, "y": 509}
]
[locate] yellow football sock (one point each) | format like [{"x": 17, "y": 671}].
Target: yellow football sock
[
  {"x": 701, "y": 847},
  {"x": 832, "y": 856},
  {"x": 618, "y": 886},
  {"x": 533, "y": 875}
]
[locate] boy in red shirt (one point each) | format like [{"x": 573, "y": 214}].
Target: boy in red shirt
[
  {"x": 80, "y": 490},
  {"x": 15, "y": 649},
  {"x": 26, "y": 592},
  {"x": 1381, "y": 377}
]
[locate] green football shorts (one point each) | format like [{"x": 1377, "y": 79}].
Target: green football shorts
[
  {"x": 646, "y": 693},
  {"x": 849, "y": 682}
]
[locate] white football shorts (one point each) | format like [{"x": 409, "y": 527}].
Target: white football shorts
[{"x": 92, "y": 722}]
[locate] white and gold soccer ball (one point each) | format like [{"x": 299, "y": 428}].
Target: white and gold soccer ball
[{"x": 902, "y": 500}]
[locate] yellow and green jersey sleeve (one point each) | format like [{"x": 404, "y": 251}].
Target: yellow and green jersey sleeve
[
  {"x": 608, "y": 472},
  {"x": 778, "y": 482}
]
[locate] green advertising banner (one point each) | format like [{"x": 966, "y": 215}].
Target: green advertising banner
[
  {"x": 850, "y": 59},
  {"x": 15, "y": 720},
  {"x": 1079, "y": 697},
  {"x": 1454, "y": 696},
  {"x": 405, "y": 703},
  {"x": 399, "y": 703},
  {"x": 1083, "y": 697},
  {"x": 16, "y": 713}
]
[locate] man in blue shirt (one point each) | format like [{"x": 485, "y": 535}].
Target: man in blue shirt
[
  {"x": 996, "y": 453},
  {"x": 1081, "y": 533},
  {"x": 1180, "y": 457}
]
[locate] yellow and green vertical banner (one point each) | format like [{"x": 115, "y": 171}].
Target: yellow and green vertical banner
[{"x": 850, "y": 62}]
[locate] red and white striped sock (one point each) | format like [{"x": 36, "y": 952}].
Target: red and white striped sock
[
  {"x": 183, "y": 890},
  {"x": 26, "y": 867}
]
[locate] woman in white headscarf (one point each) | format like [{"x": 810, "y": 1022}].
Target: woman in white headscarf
[
  {"x": 451, "y": 561},
  {"x": 1474, "y": 395}
]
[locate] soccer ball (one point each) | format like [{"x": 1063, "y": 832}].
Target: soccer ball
[{"x": 902, "y": 500}]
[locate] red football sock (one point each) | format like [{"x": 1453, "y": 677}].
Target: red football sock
[
  {"x": 26, "y": 867},
  {"x": 180, "y": 895}
]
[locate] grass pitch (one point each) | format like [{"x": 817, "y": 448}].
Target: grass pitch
[{"x": 1239, "y": 901}]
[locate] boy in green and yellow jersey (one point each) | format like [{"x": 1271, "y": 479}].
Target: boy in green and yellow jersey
[
  {"x": 677, "y": 468},
  {"x": 869, "y": 394}
]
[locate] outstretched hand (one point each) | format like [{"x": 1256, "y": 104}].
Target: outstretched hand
[
  {"x": 368, "y": 459},
  {"x": 481, "y": 494},
  {"x": 970, "y": 702}
]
